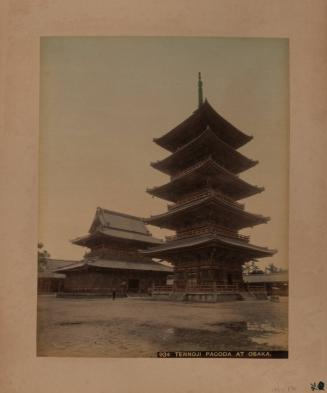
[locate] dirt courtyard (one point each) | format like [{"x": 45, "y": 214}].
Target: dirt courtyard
[{"x": 140, "y": 327}]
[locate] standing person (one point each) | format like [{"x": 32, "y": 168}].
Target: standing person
[{"x": 114, "y": 294}]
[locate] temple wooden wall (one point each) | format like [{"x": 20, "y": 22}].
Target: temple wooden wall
[
  {"x": 121, "y": 281},
  {"x": 49, "y": 284},
  {"x": 202, "y": 269}
]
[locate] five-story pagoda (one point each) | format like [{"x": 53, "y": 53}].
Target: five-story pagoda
[{"x": 204, "y": 188}]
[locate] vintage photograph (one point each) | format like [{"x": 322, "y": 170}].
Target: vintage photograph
[{"x": 163, "y": 197}]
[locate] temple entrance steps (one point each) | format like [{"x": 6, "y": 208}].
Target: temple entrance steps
[
  {"x": 177, "y": 296},
  {"x": 137, "y": 294},
  {"x": 248, "y": 295},
  {"x": 171, "y": 296}
]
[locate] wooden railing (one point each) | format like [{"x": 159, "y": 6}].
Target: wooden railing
[
  {"x": 256, "y": 288},
  {"x": 162, "y": 288},
  {"x": 203, "y": 194},
  {"x": 108, "y": 291},
  {"x": 210, "y": 229},
  {"x": 91, "y": 290},
  {"x": 191, "y": 198},
  {"x": 189, "y": 169}
]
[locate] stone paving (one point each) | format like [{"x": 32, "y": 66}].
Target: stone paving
[{"x": 140, "y": 327}]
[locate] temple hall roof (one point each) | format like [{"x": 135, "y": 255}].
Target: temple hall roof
[
  {"x": 51, "y": 267},
  {"x": 271, "y": 277},
  {"x": 54, "y": 264},
  {"x": 117, "y": 265},
  {"x": 111, "y": 224},
  {"x": 120, "y": 221}
]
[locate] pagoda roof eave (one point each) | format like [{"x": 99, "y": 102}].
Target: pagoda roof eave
[
  {"x": 173, "y": 247},
  {"x": 237, "y": 162},
  {"x": 229, "y": 133},
  {"x": 200, "y": 172},
  {"x": 165, "y": 220}
]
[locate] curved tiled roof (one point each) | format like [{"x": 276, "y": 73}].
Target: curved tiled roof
[
  {"x": 190, "y": 128},
  {"x": 206, "y": 240},
  {"x": 206, "y": 143},
  {"x": 232, "y": 185},
  {"x": 120, "y": 265},
  {"x": 212, "y": 201},
  {"x": 108, "y": 223}
]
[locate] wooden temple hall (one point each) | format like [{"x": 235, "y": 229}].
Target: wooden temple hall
[
  {"x": 113, "y": 262},
  {"x": 204, "y": 191}
]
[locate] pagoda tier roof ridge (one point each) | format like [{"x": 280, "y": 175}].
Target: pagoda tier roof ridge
[
  {"x": 206, "y": 133},
  {"x": 208, "y": 162},
  {"x": 202, "y": 201},
  {"x": 231, "y": 133},
  {"x": 207, "y": 240}
]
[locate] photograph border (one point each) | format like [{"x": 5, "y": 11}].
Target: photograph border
[{"x": 24, "y": 22}]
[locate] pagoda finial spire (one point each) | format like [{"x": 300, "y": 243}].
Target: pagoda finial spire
[{"x": 200, "y": 90}]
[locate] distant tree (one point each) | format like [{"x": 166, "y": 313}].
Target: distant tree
[
  {"x": 251, "y": 268},
  {"x": 272, "y": 268},
  {"x": 258, "y": 271},
  {"x": 42, "y": 257},
  {"x": 281, "y": 269},
  {"x": 247, "y": 268}
]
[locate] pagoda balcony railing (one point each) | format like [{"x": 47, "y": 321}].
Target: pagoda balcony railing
[
  {"x": 189, "y": 169},
  {"x": 206, "y": 230},
  {"x": 198, "y": 164},
  {"x": 203, "y": 194}
]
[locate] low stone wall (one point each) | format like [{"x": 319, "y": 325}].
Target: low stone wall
[
  {"x": 88, "y": 295},
  {"x": 212, "y": 297},
  {"x": 205, "y": 297}
]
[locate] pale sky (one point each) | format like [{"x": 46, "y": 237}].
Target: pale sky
[{"x": 104, "y": 99}]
